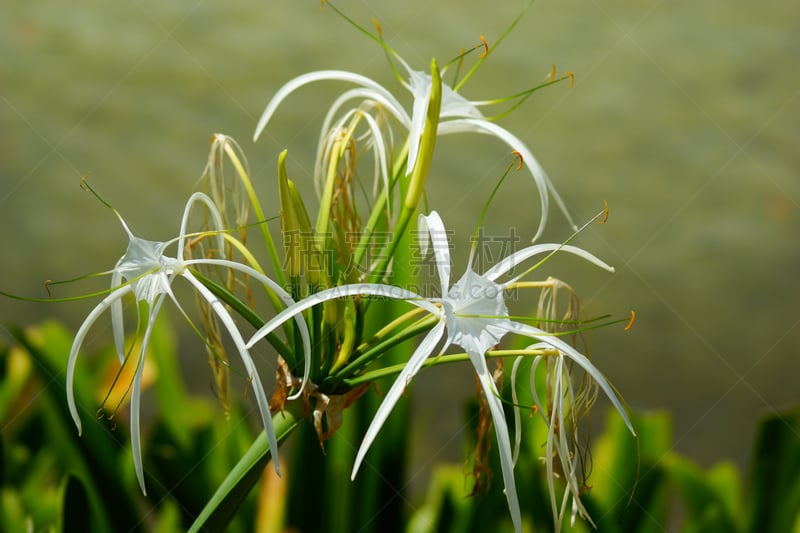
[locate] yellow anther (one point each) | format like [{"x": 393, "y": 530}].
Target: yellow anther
[
  {"x": 519, "y": 155},
  {"x": 552, "y": 75},
  {"x": 485, "y": 47},
  {"x": 571, "y": 78},
  {"x": 605, "y": 213},
  {"x": 377, "y": 24},
  {"x": 47, "y": 283},
  {"x": 631, "y": 321}
]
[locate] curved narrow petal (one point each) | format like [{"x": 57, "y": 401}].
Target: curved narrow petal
[
  {"x": 364, "y": 93},
  {"x": 136, "y": 438},
  {"x": 252, "y": 373},
  {"x": 579, "y": 358},
  {"x": 541, "y": 408},
  {"x": 517, "y": 408},
  {"x": 540, "y": 178},
  {"x": 571, "y": 463},
  {"x": 557, "y": 443},
  {"x": 284, "y": 297},
  {"x": 552, "y": 442},
  {"x": 320, "y": 75},
  {"x": 423, "y": 351},
  {"x": 341, "y": 291},
  {"x": 326, "y": 144},
  {"x": 510, "y": 262},
  {"x": 136, "y": 394},
  {"x": 456, "y": 106},
  {"x": 76, "y": 347},
  {"x": 379, "y": 148},
  {"x": 501, "y": 433},
  {"x": 217, "y": 219},
  {"x": 432, "y": 227},
  {"x": 368, "y": 95},
  {"x": 117, "y": 319},
  {"x": 420, "y": 86}
]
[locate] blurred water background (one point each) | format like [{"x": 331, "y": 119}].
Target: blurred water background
[{"x": 684, "y": 117}]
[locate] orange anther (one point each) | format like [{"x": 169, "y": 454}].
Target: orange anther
[
  {"x": 605, "y": 213},
  {"x": 519, "y": 155},
  {"x": 552, "y": 75},
  {"x": 485, "y": 47},
  {"x": 571, "y": 78},
  {"x": 631, "y": 321}
]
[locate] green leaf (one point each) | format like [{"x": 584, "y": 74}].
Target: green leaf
[
  {"x": 75, "y": 508},
  {"x": 94, "y": 456},
  {"x": 447, "y": 505},
  {"x": 706, "y": 506},
  {"x": 15, "y": 371},
  {"x": 774, "y": 490},
  {"x": 629, "y": 489},
  {"x": 223, "y": 505}
]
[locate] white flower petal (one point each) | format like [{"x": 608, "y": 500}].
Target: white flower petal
[
  {"x": 215, "y": 217},
  {"x": 136, "y": 438},
  {"x": 476, "y": 313},
  {"x": 284, "y": 297},
  {"x": 501, "y": 433},
  {"x": 252, "y": 373},
  {"x": 540, "y": 178},
  {"x": 423, "y": 351},
  {"x": 517, "y": 408},
  {"x": 76, "y": 347},
  {"x": 511, "y": 261},
  {"x": 136, "y": 393},
  {"x": 363, "y": 93},
  {"x": 341, "y": 291},
  {"x": 456, "y": 106},
  {"x": 579, "y": 358},
  {"x": 431, "y": 227},
  {"x": 420, "y": 86},
  {"x": 320, "y": 75},
  {"x": 117, "y": 321},
  {"x": 378, "y": 147},
  {"x": 552, "y": 443}
]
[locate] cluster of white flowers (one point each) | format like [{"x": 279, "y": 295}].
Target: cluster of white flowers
[{"x": 470, "y": 314}]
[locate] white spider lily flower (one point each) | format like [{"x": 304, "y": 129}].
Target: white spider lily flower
[
  {"x": 147, "y": 273},
  {"x": 457, "y": 115},
  {"x": 474, "y": 316}
]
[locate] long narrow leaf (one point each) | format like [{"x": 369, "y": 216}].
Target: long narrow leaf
[{"x": 223, "y": 505}]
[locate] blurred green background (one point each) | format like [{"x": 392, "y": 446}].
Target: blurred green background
[{"x": 683, "y": 117}]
